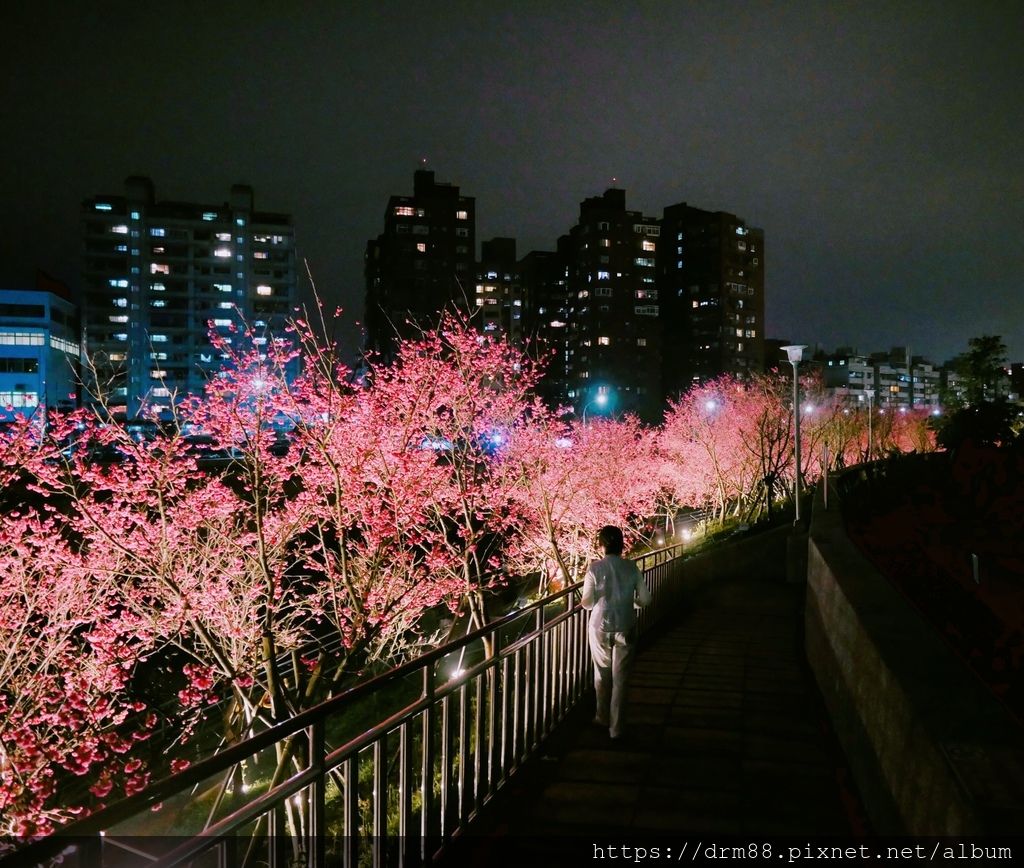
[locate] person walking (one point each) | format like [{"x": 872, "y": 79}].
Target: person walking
[{"x": 612, "y": 588}]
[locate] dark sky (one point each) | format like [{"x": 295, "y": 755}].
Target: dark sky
[{"x": 877, "y": 144}]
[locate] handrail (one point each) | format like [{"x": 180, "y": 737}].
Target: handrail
[{"x": 519, "y": 693}]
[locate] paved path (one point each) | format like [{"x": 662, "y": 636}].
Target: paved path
[{"x": 727, "y": 737}]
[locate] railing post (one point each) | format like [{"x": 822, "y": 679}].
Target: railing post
[
  {"x": 351, "y": 809},
  {"x": 427, "y": 782},
  {"x": 407, "y": 855},
  {"x": 317, "y": 833},
  {"x": 380, "y": 799}
]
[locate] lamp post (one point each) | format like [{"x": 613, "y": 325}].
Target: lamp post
[
  {"x": 600, "y": 400},
  {"x": 871, "y": 397},
  {"x": 795, "y": 352}
]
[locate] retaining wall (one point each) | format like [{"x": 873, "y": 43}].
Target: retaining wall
[{"x": 932, "y": 751}]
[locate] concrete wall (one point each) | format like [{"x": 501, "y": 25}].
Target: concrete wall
[{"x": 933, "y": 752}]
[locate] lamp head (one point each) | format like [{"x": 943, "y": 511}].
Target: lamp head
[{"x": 795, "y": 352}]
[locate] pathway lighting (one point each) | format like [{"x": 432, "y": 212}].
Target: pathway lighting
[
  {"x": 795, "y": 353},
  {"x": 600, "y": 401}
]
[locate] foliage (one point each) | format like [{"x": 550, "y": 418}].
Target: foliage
[{"x": 255, "y": 569}]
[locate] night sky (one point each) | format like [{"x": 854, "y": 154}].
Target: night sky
[{"x": 877, "y": 144}]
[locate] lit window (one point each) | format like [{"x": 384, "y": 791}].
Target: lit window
[
  {"x": 223, "y": 287},
  {"x": 155, "y": 250},
  {"x": 157, "y": 233},
  {"x": 120, "y": 229},
  {"x": 161, "y": 392},
  {"x": 263, "y": 289},
  {"x": 223, "y": 252},
  {"x": 222, "y": 236},
  {"x": 404, "y": 211},
  {"x": 103, "y": 206},
  {"x": 209, "y": 215},
  {"x": 157, "y": 302},
  {"x": 122, "y": 248},
  {"x": 158, "y": 287},
  {"x": 119, "y": 282},
  {"x": 120, "y": 302},
  {"x": 645, "y": 261},
  {"x": 641, "y": 342},
  {"x": 605, "y": 242},
  {"x": 222, "y": 323},
  {"x": 116, "y": 357},
  {"x": 421, "y": 247},
  {"x": 646, "y": 310},
  {"x": 604, "y": 275},
  {"x": 461, "y": 215},
  {"x": 119, "y": 318},
  {"x": 159, "y": 268},
  {"x": 158, "y": 339},
  {"x": 648, "y": 245},
  {"x": 120, "y": 336},
  {"x": 226, "y": 305},
  {"x": 604, "y": 341},
  {"x": 239, "y": 221}
]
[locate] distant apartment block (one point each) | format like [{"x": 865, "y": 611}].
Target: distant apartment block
[
  {"x": 711, "y": 294},
  {"x": 158, "y": 276},
  {"x": 891, "y": 378},
  {"x": 628, "y": 311},
  {"x": 423, "y": 262},
  {"x": 500, "y": 296},
  {"x": 613, "y": 343},
  {"x": 40, "y": 352},
  {"x": 544, "y": 275}
]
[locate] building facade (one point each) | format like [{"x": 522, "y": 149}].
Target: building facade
[
  {"x": 500, "y": 298},
  {"x": 159, "y": 277},
  {"x": 711, "y": 295},
  {"x": 892, "y": 378},
  {"x": 423, "y": 262},
  {"x": 40, "y": 352},
  {"x": 613, "y": 337},
  {"x": 545, "y": 277}
]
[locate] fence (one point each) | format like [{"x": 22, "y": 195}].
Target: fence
[{"x": 385, "y": 772}]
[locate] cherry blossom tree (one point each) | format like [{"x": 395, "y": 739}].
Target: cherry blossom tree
[{"x": 571, "y": 479}]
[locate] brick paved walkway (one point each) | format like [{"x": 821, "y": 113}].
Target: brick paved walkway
[{"x": 727, "y": 737}]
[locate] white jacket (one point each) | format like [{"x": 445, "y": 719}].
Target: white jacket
[{"x": 612, "y": 588}]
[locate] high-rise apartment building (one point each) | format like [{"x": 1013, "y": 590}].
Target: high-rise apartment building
[
  {"x": 500, "y": 294},
  {"x": 159, "y": 276},
  {"x": 544, "y": 275},
  {"x": 40, "y": 351},
  {"x": 614, "y": 336},
  {"x": 711, "y": 286},
  {"x": 423, "y": 262}
]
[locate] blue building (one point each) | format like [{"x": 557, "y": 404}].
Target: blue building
[{"x": 40, "y": 352}]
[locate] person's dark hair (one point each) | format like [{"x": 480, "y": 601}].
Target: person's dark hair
[{"x": 610, "y": 539}]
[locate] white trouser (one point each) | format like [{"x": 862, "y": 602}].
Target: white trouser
[{"x": 612, "y": 653}]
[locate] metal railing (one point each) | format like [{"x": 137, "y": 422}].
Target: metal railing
[{"x": 383, "y": 773}]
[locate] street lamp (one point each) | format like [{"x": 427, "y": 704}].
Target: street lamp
[
  {"x": 600, "y": 400},
  {"x": 871, "y": 397},
  {"x": 795, "y": 352}
]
